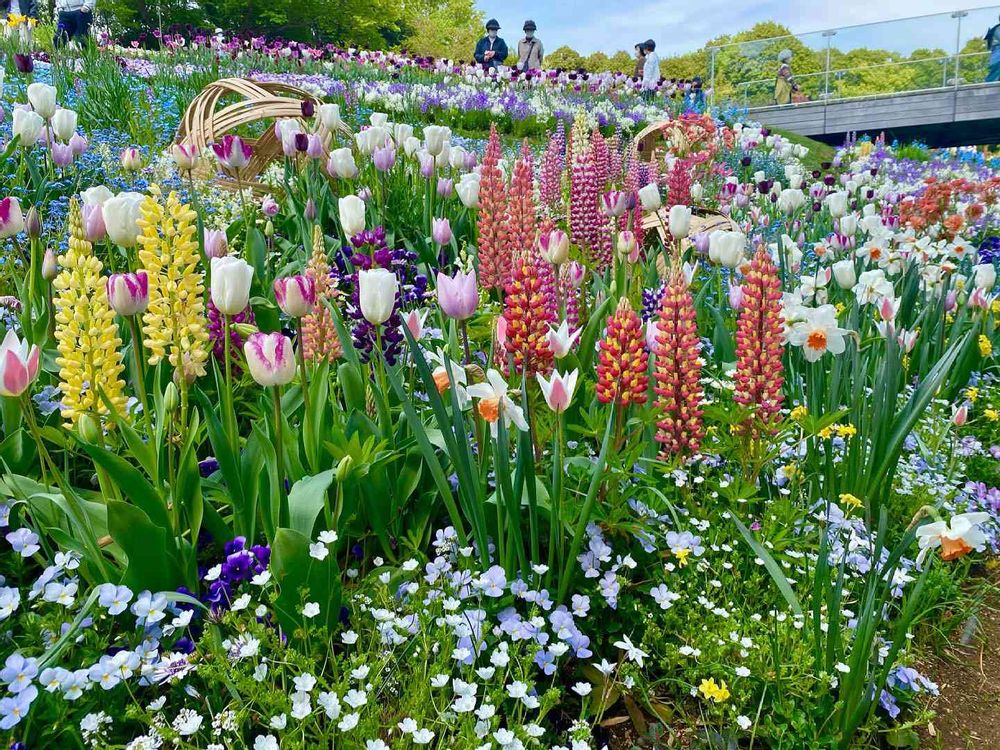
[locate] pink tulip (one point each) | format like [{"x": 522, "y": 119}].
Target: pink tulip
[
  {"x": 575, "y": 272},
  {"x": 269, "y": 207},
  {"x": 458, "y": 296},
  {"x": 314, "y": 147},
  {"x": 216, "y": 244},
  {"x": 232, "y": 152},
  {"x": 131, "y": 159},
  {"x": 93, "y": 222},
  {"x": 613, "y": 202},
  {"x": 296, "y": 295},
  {"x": 445, "y": 187},
  {"x": 959, "y": 416},
  {"x": 441, "y": 231},
  {"x": 128, "y": 293},
  {"x": 270, "y": 358},
  {"x": 185, "y": 156},
  {"x": 561, "y": 340},
  {"x": 979, "y": 299},
  {"x": 554, "y": 246},
  {"x": 18, "y": 365},
  {"x": 950, "y": 300},
  {"x": 414, "y": 322},
  {"x": 78, "y": 143},
  {"x": 11, "y": 218},
  {"x": 736, "y": 296},
  {"x": 62, "y": 154},
  {"x": 558, "y": 390},
  {"x": 887, "y": 308},
  {"x": 384, "y": 158}
]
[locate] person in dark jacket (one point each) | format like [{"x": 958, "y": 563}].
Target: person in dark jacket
[
  {"x": 491, "y": 50},
  {"x": 19, "y": 7}
]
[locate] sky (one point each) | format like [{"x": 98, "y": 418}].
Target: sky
[{"x": 609, "y": 25}]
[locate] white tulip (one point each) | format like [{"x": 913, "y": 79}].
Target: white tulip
[
  {"x": 401, "y": 132},
  {"x": 329, "y": 116},
  {"x": 28, "y": 126},
  {"x": 352, "y": 215},
  {"x": 64, "y": 124},
  {"x": 231, "y": 279},
  {"x": 411, "y": 145},
  {"x": 848, "y": 225},
  {"x": 121, "y": 217},
  {"x": 341, "y": 163},
  {"x": 42, "y": 98},
  {"x": 378, "y": 119},
  {"x": 649, "y": 196},
  {"x": 985, "y": 276},
  {"x": 468, "y": 190},
  {"x": 377, "y": 292},
  {"x": 96, "y": 196},
  {"x": 726, "y": 248},
  {"x": 435, "y": 138},
  {"x": 790, "y": 201},
  {"x": 843, "y": 272},
  {"x": 680, "y": 221},
  {"x": 697, "y": 191},
  {"x": 837, "y": 203}
]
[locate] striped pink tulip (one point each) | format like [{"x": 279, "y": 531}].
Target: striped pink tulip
[
  {"x": 18, "y": 365},
  {"x": 296, "y": 295},
  {"x": 128, "y": 293},
  {"x": 270, "y": 358}
]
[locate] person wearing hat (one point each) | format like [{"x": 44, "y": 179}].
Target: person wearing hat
[
  {"x": 529, "y": 49},
  {"x": 491, "y": 50},
  {"x": 784, "y": 82}
]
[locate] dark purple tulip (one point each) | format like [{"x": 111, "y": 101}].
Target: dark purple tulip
[
  {"x": 308, "y": 108},
  {"x": 24, "y": 63}
]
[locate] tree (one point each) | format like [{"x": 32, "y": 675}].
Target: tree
[
  {"x": 564, "y": 57},
  {"x": 622, "y": 62},
  {"x": 451, "y": 29}
]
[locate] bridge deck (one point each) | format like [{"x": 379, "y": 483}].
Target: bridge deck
[{"x": 951, "y": 116}]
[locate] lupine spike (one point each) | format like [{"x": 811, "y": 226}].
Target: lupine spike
[
  {"x": 622, "y": 362},
  {"x": 86, "y": 333},
  {"x": 677, "y": 371},
  {"x": 759, "y": 370},
  {"x": 319, "y": 334},
  {"x": 494, "y": 263},
  {"x": 528, "y": 319}
]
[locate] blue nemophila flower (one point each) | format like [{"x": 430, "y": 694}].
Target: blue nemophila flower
[
  {"x": 23, "y": 541},
  {"x": 149, "y": 608},
  {"x": 114, "y": 598},
  {"x": 18, "y": 672},
  {"x": 15, "y": 708}
]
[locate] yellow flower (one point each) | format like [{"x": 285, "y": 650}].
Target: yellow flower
[
  {"x": 972, "y": 393},
  {"x": 799, "y": 413},
  {"x": 992, "y": 414},
  {"x": 826, "y": 432},
  {"x": 851, "y": 501},
  {"x": 985, "y": 346},
  {"x": 682, "y": 556},
  {"x": 174, "y": 323},
  {"x": 995, "y": 306},
  {"x": 839, "y": 307},
  {"x": 845, "y": 430},
  {"x": 713, "y": 692},
  {"x": 791, "y": 470},
  {"x": 90, "y": 359},
  {"x": 906, "y": 361}
]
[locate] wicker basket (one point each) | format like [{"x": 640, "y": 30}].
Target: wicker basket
[{"x": 205, "y": 122}]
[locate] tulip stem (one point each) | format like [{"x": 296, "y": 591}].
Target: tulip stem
[
  {"x": 230, "y": 409},
  {"x": 140, "y": 376},
  {"x": 306, "y": 414},
  {"x": 465, "y": 341},
  {"x": 279, "y": 452}
]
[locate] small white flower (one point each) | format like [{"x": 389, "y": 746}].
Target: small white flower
[
  {"x": 356, "y": 698},
  {"x": 744, "y": 722},
  {"x": 517, "y": 689},
  {"x": 318, "y": 551},
  {"x": 328, "y": 536},
  {"x": 582, "y": 688},
  {"x": 310, "y": 610},
  {"x": 348, "y": 722},
  {"x": 265, "y": 742},
  {"x": 422, "y": 737},
  {"x": 841, "y": 667},
  {"x": 241, "y": 602},
  {"x": 278, "y": 722},
  {"x": 349, "y": 637},
  {"x": 407, "y": 726},
  {"x": 439, "y": 680}
]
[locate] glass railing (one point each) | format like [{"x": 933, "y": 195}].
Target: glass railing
[{"x": 906, "y": 55}]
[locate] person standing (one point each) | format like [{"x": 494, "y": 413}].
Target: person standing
[
  {"x": 74, "y": 19},
  {"x": 529, "y": 49},
  {"x": 993, "y": 46},
  {"x": 650, "y": 70},
  {"x": 784, "y": 83},
  {"x": 491, "y": 50},
  {"x": 640, "y": 61}
]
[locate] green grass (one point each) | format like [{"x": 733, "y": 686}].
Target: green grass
[{"x": 818, "y": 152}]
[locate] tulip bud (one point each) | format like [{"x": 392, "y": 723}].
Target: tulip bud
[
  {"x": 649, "y": 197},
  {"x": 33, "y": 223},
  {"x": 50, "y": 268},
  {"x": 458, "y": 296},
  {"x": 131, "y": 159},
  {"x": 171, "y": 398},
  {"x": 554, "y": 246},
  {"x": 185, "y": 156},
  {"x": 960, "y": 415},
  {"x": 90, "y": 428},
  {"x": 296, "y": 295},
  {"x": 344, "y": 468},
  {"x": 628, "y": 248},
  {"x": 441, "y": 231},
  {"x": 310, "y": 210},
  {"x": 377, "y": 292},
  {"x": 243, "y": 330},
  {"x": 352, "y": 215},
  {"x": 128, "y": 293},
  {"x": 11, "y": 218},
  {"x": 844, "y": 273},
  {"x": 736, "y": 296},
  {"x": 269, "y": 206}
]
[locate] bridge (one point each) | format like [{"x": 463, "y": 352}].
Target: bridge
[
  {"x": 953, "y": 116},
  {"x": 922, "y": 78}
]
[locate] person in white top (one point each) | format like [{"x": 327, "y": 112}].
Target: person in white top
[
  {"x": 74, "y": 18},
  {"x": 650, "y": 70}
]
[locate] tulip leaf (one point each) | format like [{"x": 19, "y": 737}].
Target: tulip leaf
[
  {"x": 151, "y": 564},
  {"x": 306, "y": 500}
]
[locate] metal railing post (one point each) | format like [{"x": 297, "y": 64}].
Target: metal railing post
[
  {"x": 826, "y": 74},
  {"x": 958, "y": 15}
]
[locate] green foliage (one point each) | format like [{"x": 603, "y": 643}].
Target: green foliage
[
  {"x": 564, "y": 57},
  {"x": 448, "y": 29}
]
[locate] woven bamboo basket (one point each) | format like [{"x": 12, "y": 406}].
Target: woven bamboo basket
[
  {"x": 207, "y": 119},
  {"x": 650, "y": 141}
]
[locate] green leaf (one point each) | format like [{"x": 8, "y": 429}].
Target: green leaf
[
  {"x": 150, "y": 564},
  {"x": 772, "y": 567},
  {"x": 585, "y": 350},
  {"x": 133, "y": 485},
  {"x": 301, "y": 579},
  {"x": 306, "y": 500}
]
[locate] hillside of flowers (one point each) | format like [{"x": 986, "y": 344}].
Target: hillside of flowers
[{"x": 482, "y": 418}]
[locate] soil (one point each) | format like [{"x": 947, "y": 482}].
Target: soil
[{"x": 968, "y": 676}]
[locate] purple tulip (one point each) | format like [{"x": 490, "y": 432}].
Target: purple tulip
[
  {"x": 296, "y": 295},
  {"x": 384, "y": 158},
  {"x": 458, "y": 296},
  {"x": 216, "y": 244},
  {"x": 445, "y": 187},
  {"x": 269, "y": 207},
  {"x": 441, "y": 231},
  {"x": 93, "y": 222},
  {"x": 62, "y": 154},
  {"x": 128, "y": 293}
]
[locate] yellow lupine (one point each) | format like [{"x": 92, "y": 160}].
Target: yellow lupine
[
  {"x": 90, "y": 359},
  {"x": 174, "y": 324}
]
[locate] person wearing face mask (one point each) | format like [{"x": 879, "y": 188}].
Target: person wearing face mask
[
  {"x": 529, "y": 49},
  {"x": 491, "y": 50}
]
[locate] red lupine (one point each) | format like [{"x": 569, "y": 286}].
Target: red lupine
[
  {"x": 677, "y": 372},
  {"x": 521, "y": 233},
  {"x": 528, "y": 319},
  {"x": 494, "y": 264},
  {"x": 588, "y": 226},
  {"x": 545, "y": 272},
  {"x": 622, "y": 362},
  {"x": 759, "y": 372}
]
